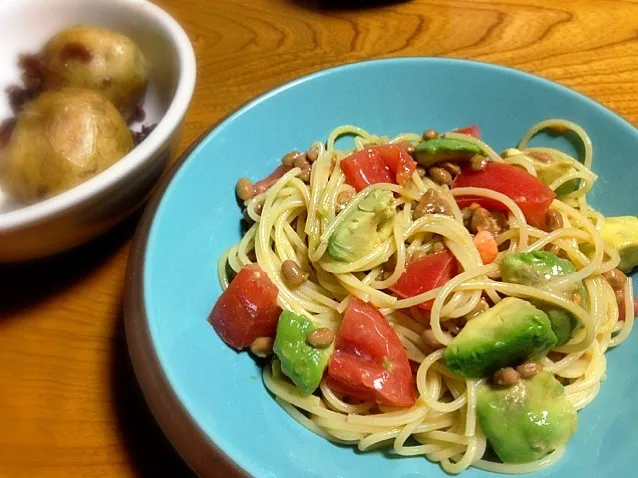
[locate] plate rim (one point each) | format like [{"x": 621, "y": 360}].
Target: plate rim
[{"x": 200, "y": 452}]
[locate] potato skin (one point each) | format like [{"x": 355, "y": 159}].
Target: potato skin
[
  {"x": 60, "y": 140},
  {"x": 99, "y": 59}
]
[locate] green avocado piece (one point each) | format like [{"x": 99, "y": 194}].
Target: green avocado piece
[
  {"x": 537, "y": 268},
  {"x": 563, "y": 323},
  {"x": 300, "y": 362},
  {"x": 527, "y": 421},
  {"x": 433, "y": 151},
  {"x": 534, "y": 268},
  {"x": 365, "y": 227},
  {"x": 510, "y": 333},
  {"x": 622, "y": 234},
  {"x": 550, "y": 171}
]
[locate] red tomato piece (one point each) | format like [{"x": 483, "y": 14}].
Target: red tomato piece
[
  {"x": 389, "y": 163},
  {"x": 369, "y": 362},
  {"x": 472, "y": 130},
  {"x": 398, "y": 160},
  {"x": 529, "y": 193},
  {"x": 264, "y": 184},
  {"x": 247, "y": 309},
  {"x": 364, "y": 168},
  {"x": 424, "y": 275}
]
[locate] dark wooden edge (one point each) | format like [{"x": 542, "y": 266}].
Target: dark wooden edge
[{"x": 200, "y": 453}]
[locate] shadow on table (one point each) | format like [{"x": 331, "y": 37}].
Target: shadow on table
[
  {"x": 150, "y": 452},
  {"x": 332, "y": 5},
  {"x": 26, "y": 284}
]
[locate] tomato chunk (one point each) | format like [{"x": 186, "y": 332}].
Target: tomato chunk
[
  {"x": 389, "y": 163},
  {"x": 247, "y": 309},
  {"x": 364, "y": 168},
  {"x": 472, "y": 130},
  {"x": 369, "y": 362},
  {"x": 529, "y": 193},
  {"x": 398, "y": 160},
  {"x": 424, "y": 275}
]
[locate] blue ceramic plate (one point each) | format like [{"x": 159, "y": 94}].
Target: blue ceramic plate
[{"x": 211, "y": 401}]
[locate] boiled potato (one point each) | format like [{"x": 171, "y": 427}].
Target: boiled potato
[
  {"x": 61, "y": 139},
  {"x": 98, "y": 59}
]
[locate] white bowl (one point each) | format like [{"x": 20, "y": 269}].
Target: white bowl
[{"x": 87, "y": 210}]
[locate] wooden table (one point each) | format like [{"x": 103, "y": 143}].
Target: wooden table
[{"x": 70, "y": 405}]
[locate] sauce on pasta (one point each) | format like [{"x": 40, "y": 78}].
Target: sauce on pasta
[{"x": 293, "y": 221}]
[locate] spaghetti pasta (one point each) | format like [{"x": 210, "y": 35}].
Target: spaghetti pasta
[{"x": 295, "y": 220}]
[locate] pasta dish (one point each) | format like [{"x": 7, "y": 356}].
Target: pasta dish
[{"x": 427, "y": 294}]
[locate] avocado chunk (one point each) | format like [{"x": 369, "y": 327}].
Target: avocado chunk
[
  {"x": 527, "y": 421},
  {"x": 563, "y": 323},
  {"x": 550, "y": 171},
  {"x": 534, "y": 268},
  {"x": 539, "y": 267},
  {"x": 433, "y": 151},
  {"x": 510, "y": 333},
  {"x": 622, "y": 234},
  {"x": 364, "y": 228},
  {"x": 300, "y": 362}
]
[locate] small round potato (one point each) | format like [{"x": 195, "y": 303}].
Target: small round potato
[
  {"x": 61, "y": 139},
  {"x": 98, "y": 59}
]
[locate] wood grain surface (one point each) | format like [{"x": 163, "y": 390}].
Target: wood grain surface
[{"x": 69, "y": 403}]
